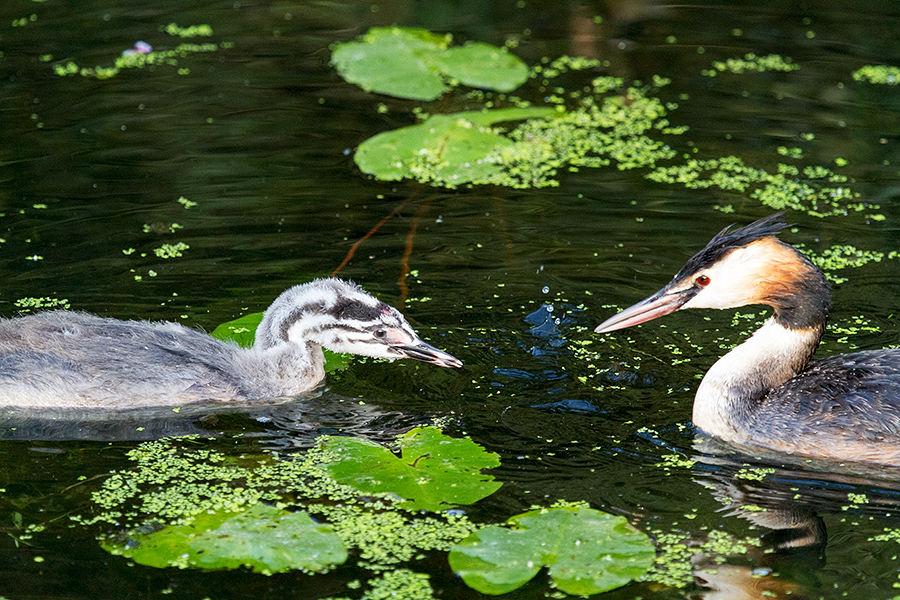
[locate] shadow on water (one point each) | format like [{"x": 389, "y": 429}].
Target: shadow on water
[{"x": 279, "y": 424}]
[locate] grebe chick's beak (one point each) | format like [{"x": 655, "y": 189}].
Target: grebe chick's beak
[
  {"x": 423, "y": 351},
  {"x": 663, "y": 302}
]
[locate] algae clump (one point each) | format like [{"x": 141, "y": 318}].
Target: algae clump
[{"x": 878, "y": 74}]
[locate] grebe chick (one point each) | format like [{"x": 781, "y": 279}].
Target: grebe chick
[
  {"x": 65, "y": 359},
  {"x": 765, "y": 392}
]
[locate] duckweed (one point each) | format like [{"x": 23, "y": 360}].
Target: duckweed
[
  {"x": 188, "y": 32},
  {"x": 670, "y": 461},
  {"x": 400, "y": 584},
  {"x": 878, "y": 74},
  {"x": 889, "y": 535},
  {"x": 147, "y": 57},
  {"x": 752, "y": 62},
  {"x": 796, "y": 153},
  {"x": 30, "y": 304},
  {"x": 757, "y": 474},
  {"x": 564, "y": 64},
  {"x": 23, "y": 21},
  {"x": 846, "y": 329},
  {"x": 822, "y": 192},
  {"x": 673, "y": 567},
  {"x": 842, "y": 256},
  {"x": 170, "y": 250},
  {"x": 596, "y": 134}
]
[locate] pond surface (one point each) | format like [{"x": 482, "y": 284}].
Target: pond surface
[{"x": 260, "y": 134}]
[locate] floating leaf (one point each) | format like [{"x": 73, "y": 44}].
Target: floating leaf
[
  {"x": 265, "y": 539},
  {"x": 242, "y": 331},
  {"x": 484, "y": 66},
  {"x": 413, "y": 63},
  {"x": 393, "y": 61},
  {"x": 585, "y": 550},
  {"x": 434, "y": 472},
  {"x": 455, "y": 148}
]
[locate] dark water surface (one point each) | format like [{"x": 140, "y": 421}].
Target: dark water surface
[{"x": 260, "y": 135}]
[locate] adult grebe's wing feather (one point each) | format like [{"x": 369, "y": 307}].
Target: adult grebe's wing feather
[
  {"x": 848, "y": 402},
  {"x": 858, "y": 391}
]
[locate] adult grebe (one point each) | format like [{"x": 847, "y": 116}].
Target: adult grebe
[
  {"x": 68, "y": 359},
  {"x": 765, "y": 392}
]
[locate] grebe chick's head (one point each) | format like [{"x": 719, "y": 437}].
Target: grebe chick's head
[
  {"x": 342, "y": 317},
  {"x": 740, "y": 267}
]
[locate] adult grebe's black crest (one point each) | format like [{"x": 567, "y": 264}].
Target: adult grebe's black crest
[
  {"x": 727, "y": 240},
  {"x": 765, "y": 392},
  {"x": 68, "y": 360}
]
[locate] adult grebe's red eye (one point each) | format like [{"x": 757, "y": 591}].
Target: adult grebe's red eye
[{"x": 703, "y": 280}]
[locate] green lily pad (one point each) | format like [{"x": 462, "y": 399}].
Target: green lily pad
[
  {"x": 413, "y": 63},
  {"x": 434, "y": 472},
  {"x": 586, "y": 552},
  {"x": 242, "y": 331},
  {"x": 484, "y": 66},
  {"x": 263, "y": 538},
  {"x": 455, "y": 149}
]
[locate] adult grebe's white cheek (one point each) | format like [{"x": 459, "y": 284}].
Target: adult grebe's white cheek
[{"x": 733, "y": 281}]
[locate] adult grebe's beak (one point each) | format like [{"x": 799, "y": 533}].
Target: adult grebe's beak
[
  {"x": 426, "y": 352},
  {"x": 659, "y": 304}
]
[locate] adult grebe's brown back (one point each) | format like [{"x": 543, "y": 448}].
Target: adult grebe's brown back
[
  {"x": 765, "y": 392},
  {"x": 65, "y": 359}
]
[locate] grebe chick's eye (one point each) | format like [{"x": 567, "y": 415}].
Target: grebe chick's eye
[
  {"x": 703, "y": 280},
  {"x": 380, "y": 333}
]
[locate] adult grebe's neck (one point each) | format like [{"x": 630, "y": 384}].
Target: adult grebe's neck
[{"x": 730, "y": 390}]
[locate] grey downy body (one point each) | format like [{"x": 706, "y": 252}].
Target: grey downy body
[{"x": 65, "y": 359}]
